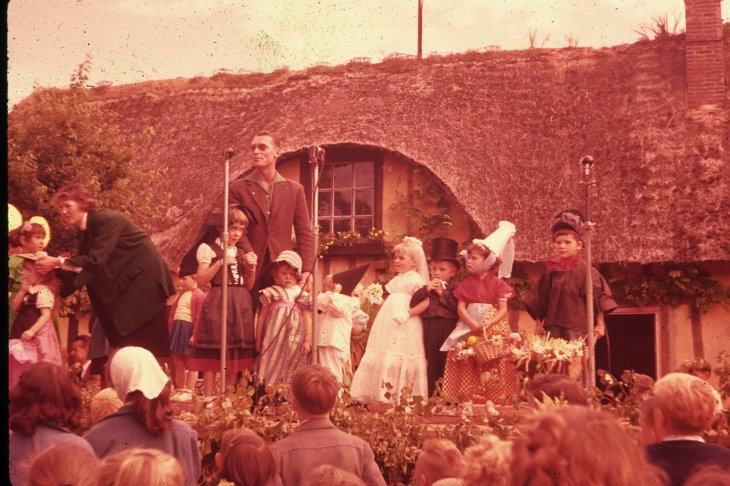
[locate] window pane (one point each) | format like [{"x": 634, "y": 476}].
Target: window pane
[
  {"x": 324, "y": 226},
  {"x": 343, "y": 203},
  {"x": 342, "y": 225},
  {"x": 325, "y": 204},
  {"x": 325, "y": 177},
  {"x": 343, "y": 175},
  {"x": 364, "y": 174},
  {"x": 363, "y": 225},
  {"x": 364, "y": 203}
]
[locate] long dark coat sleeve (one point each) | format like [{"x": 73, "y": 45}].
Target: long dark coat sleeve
[{"x": 122, "y": 267}]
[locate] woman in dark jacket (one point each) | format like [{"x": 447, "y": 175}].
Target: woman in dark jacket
[{"x": 127, "y": 279}]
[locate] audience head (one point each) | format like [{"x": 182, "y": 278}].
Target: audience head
[
  {"x": 556, "y": 386},
  {"x": 138, "y": 380},
  {"x": 80, "y": 348},
  {"x": 245, "y": 459},
  {"x": 104, "y": 403},
  {"x": 438, "y": 459},
  {"x": 327, "y": 475},
  {"x": 685, "y": 405},
  {"x": 576, "y": 445},
  {"x": 647, "y": 433},
  {"x": 314, "y": 390},
  {"x": 487, "y": 463},
  {"x": 44, "y": 393},
  {"x": 64, "y": 465},
  {"x": 141, "y": 467}
]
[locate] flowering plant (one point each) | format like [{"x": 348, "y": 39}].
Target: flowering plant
[
  {"x": 350, "y": 238},
  {"x": 374, "y": 293},
  {"x": 546, "y": 354}
]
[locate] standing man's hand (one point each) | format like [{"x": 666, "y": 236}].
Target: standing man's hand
[
  {"x": 307, "y": 281},
  {"x": 46, "y": 264}
]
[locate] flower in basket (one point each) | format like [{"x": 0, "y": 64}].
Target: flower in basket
[
  {"x": 463, "y": 351},
  {"x": 496, "y": 340},
  {"x": 515, "y": 337},
  {"x": 374, "y": 293}
]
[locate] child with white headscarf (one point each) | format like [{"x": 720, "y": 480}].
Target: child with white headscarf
[{"x": 145, "y": 420}]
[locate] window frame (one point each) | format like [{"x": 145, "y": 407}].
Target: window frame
[{"x": 345, "y": 154}]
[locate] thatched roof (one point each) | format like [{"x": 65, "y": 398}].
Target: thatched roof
[{"x": 503, "y": 131}]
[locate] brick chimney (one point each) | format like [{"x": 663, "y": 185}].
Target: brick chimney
[{"x": 705, "y": 59}]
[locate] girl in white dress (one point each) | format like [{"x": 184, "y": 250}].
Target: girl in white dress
[{"x": 395, "y": 353}]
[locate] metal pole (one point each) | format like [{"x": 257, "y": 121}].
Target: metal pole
[
  {"x": 587, "y": 163},
  {"x": 420, "y": 29},
  {"x": 228, "y": 154},
  {"x": 315, "y": 154}
]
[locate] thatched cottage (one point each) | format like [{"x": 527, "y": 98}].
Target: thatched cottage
[{"x": 500, "y": 134}]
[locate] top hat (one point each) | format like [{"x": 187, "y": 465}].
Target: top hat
[
  {"x": 570, "y": 219},
  {"x": 350, "y": 278},
  {"x": 444, "y": 249}
]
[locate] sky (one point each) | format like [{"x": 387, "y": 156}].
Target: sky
[{"x": 135, "y": 40}]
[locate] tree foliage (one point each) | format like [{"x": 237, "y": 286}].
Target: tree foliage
[{"x": 57, "y": 137}]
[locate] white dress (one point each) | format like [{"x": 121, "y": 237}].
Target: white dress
[{"x": 394, "y": 352}]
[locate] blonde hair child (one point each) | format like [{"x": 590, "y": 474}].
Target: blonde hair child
[{"x": 395, "y": 352}]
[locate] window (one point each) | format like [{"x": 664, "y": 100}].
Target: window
[
  {"x": 347, "y": 197},
  {"x": 350, "y": 190}
]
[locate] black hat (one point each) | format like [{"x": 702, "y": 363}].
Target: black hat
[
  {"x": 350, "y": 278},
  {"x": 570, "y": 219},
  {"x": 444, "y": 249}
]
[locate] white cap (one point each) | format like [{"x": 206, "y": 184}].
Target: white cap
[
  {"x": 292, "y": 258},
  {"x": 502, "y": 245}
]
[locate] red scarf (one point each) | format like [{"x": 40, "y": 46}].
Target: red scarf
[{"x": 563, "y": 265}]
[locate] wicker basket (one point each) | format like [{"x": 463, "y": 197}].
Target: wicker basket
[{"x": 485, "y": 351}]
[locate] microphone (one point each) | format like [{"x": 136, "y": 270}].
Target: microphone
[{"x": 316, "y": 154}]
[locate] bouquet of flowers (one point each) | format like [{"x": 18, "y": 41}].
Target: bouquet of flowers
[
  {"x": 374, "y": 293},
  {"x": 543, "y": 354}
]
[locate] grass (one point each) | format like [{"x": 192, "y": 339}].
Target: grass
[{"x": 660, "y": 28}]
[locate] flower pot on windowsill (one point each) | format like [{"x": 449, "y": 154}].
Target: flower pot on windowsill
[{"x": 366, "y": 248}]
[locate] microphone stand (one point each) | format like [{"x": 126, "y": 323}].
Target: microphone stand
[
  {"x": 228, "y": 155},
  {"x": 316, "y": 155},
  {"x": 589, "y": 181}
]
